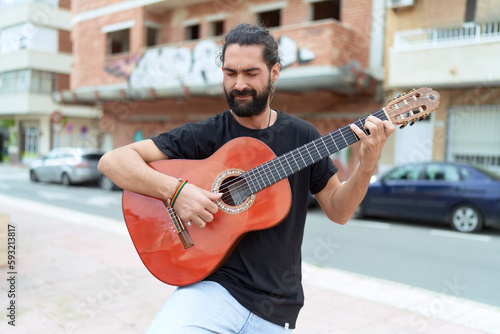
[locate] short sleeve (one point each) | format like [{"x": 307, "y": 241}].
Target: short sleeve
[
  {"x": 189, "y": 141},
  {"x": 322, "y": 171}
]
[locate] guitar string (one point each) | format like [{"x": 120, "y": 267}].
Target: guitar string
[
  {"x": 241, "y": 183},
  {"x": 259, "y": 174},
  {"x": 303, "y": 152},
  {"x": 307, "y": 148}
]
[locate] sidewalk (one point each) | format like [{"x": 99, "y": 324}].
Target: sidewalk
[{"x": 79, "y": 273}]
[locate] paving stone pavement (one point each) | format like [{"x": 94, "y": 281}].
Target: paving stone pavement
[{"x": 79, "y": 273}]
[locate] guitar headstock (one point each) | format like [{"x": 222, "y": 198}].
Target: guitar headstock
[{"x": 412, "y": 106}]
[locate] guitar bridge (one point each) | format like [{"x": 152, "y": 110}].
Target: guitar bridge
[{"x": 179, "y": 226}]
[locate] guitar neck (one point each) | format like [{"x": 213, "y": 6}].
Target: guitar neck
[{"x": 304, "y": 156}]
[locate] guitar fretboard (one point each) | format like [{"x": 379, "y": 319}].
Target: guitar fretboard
[{"x": 304, "y": 156}]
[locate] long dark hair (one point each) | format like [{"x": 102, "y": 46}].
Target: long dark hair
[{"x": 247, "y": 34}]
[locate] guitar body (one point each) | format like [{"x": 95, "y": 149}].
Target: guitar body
[{"x": 152, "y": 229}]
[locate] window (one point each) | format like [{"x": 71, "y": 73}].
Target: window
[
  {"x": 27, "y": 81},
  {"x": 95, "y": 156},
  {"x": 13, "y": 3},
  {"x": 269, "y": 19},
  {"x": 152, "y": 36},
  {"x": 15, "y": 82},
  {"x": 436, "y": 172},
  {"x": 42, "y": 82},
  {"x": 193, "y": 32},
  {"x": 119, "y": 41},
  {"x": 217, "y": 28},
  {"x": 325, "y": 10},
  {"x": 54, "y": 154},
  {"x": 27, "y": 36},
  {"x": 473, "y": 136},
  {"x": 470, "y": 11},
  {"x": 409, "y": 172}
]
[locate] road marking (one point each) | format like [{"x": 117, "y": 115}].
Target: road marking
[
  {"x": 98, "y": 201},
  {"x": 102, "y": 201},
  {"x": 11, "y": 177},
  {"x": 379, "y": 226},
  {"x": 53, "y": 195},
  {"x": 460, "y": 235}
]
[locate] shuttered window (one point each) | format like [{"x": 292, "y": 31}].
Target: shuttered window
[{"x": 474, "y": 135}]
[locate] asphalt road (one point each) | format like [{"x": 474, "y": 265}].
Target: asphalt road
[
  {"x": 86, "y": 198},
  {"x": 421, "y": 255},
  {"x": 428, "y": 256}
]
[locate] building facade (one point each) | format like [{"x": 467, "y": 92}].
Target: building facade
[
  {"x": 35, "y": 61},
  {"x": 151, "y": 65},
  {"x": 452, "y": 46}
]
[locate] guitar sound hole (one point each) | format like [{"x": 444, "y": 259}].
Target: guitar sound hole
[{"x": 235, "y": 190}]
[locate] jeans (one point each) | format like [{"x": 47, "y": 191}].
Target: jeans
[{"x": 206, "y": 307}]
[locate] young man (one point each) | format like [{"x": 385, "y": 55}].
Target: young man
[{"x": 258, "y": 289}]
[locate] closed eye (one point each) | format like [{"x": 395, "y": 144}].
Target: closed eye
[{"x": 250, "y": 71}]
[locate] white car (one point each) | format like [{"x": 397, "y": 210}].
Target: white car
[{"x": 67, "y": 165}]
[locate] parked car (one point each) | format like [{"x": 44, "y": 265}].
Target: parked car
[
  {"x": 67, "y": 165},
  {"x": 466, "y": 197},
  {"x": 106, "y": 184},
  {"x": 312, "y": 202}
]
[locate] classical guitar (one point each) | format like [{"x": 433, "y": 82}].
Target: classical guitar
[{"x": 253, "y": 181}]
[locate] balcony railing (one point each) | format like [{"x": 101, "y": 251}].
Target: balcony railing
[{"x": 468, "y": 33}]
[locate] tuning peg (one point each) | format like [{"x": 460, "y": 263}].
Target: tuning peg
[
  {"x": 402, "y": 126},
  {"x": 394, "y": 98},
  {"x": 412, "y": 122}
]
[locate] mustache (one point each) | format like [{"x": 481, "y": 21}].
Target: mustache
[{"x": 246, "y": 91}]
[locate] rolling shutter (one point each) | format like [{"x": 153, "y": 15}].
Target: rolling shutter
[{"x": 474, "y": 136}]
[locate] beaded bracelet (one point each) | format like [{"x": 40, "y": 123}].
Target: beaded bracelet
[{"x": 177, "y": 191}]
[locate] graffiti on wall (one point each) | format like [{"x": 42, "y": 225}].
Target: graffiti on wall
[
  {"x": 172, "y": 66},
  {"x": 123, "y": 67},
  {"x": 179, "y": 66},
  {"x": 291, "y": 53}
]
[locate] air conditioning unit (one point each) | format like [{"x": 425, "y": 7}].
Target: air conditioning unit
[{"x": 400, "y": 3}]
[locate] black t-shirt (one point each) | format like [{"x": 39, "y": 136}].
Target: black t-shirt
[{"x": 264, "y": 271}]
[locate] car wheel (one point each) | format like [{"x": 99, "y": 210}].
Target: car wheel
[
  {"x": 33, "y": 176},
  {"x": 106, "y": 184},
  {"x": 466, "y": 218},
  {"x": 65, "y": 180}
]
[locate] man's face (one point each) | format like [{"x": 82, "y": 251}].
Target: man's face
[{"x": 247, "y": 80}]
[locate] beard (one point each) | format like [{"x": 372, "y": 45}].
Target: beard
[{"x": 254, "y": 107}]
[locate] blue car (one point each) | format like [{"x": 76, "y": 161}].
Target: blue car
[{"x": 466, "y": 197}]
